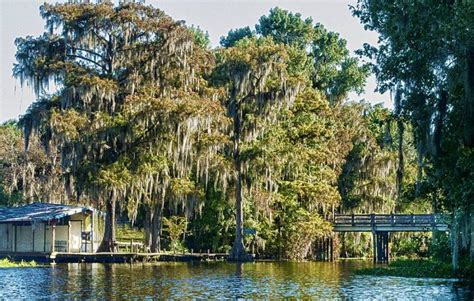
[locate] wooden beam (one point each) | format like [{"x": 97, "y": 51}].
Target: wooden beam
[
  {"x": 44, "y": 237},
  {"x": 15, "y": 247},
  {"x": 68, "y": 236},
  {"x": 53, "y": 235},
  {"x": 33, "y": 243}
]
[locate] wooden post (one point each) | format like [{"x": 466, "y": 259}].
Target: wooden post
[
  {"x": 387, "y": 255},
  {"x": 331, "y": 249},
  {"x": 15, "y": 247},
  {"x": 53, "y": 235},
  {"x": 131, "y": 246},
  {"x": 33, "y": 242},
  {"x": 374, "y": 245},
  {"x": 381, "y": 247},
  {"x": 327, "y": 249},
  {"x": 92, "y": 232},
  {"x": 68, "y": 236},
  {"x": 353, "y": 222},
  {"x": 44, "y": 237}
]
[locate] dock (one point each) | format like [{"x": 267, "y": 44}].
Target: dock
[{"x": 108, "y": 257}]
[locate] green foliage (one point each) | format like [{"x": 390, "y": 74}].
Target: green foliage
[
  {"x": 356, "y": 245},
  {"x": 333, "y": 70},
  {"x": 425, "y": 56},
  {"x": 411, "y": 245},
  {"x": 201, "y": 38},
  {"x": 176, "y": 227},
  {"x": 127, "y": 233},
  {"x": 149, "y": 119},
  {"x": 412, "y": 268},
  {"x": 440, "y": 247},
  {"x": 286, "y": 27},
  {"x": 213, "y": 228},
  {"x": 26, "y": 176},
  {"x": 6, "y": 263},
  {"x": 235, "y": 35}
]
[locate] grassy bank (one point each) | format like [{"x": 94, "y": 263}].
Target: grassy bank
[
  {"x": 421, "y": 268},
  {"x": 412, "y": 268},
  {"x": 6, "y": 263},
  {"x": 126, "y": 233}
]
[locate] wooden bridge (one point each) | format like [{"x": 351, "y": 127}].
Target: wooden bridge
[
  {"x": 389, "y": 223},
  {"x": 381, "y": 225}
]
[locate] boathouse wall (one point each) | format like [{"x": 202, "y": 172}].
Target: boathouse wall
[{"x": 77, "y": 233}]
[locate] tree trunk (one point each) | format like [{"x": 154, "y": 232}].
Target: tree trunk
[
  {"x": 438, "y": 131},
  {"x": 468, "y": 110},
  {"x": 147, "y": 226},
  {"x": 156, "y": 227},
  {"x": 471, "y": 217},
  {"x": 455, "y": 241},
  {"x": 108, "y": 243},
  {"x": 401, "y": 131},
  {"x": 238, "y": 252}
]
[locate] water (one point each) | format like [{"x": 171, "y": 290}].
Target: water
[{"x": 315, "y": 280}]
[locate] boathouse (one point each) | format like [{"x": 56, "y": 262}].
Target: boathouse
[{"x": 46, "y": 228}]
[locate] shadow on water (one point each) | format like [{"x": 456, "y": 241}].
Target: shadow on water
[{"x": 220, "y": 280}]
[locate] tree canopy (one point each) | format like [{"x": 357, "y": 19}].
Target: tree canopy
[{"x": 136, "y": 114}]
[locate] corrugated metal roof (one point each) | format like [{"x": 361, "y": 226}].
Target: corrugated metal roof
[{"x": 39, "y": 212}]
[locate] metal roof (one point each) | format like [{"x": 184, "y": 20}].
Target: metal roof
[{"x": 39, "y": 212}]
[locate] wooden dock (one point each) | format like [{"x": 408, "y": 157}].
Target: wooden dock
[{"x": 104, "y": 257}]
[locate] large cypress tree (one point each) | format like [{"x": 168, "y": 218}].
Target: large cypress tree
[{"x": 130, "y": 106}]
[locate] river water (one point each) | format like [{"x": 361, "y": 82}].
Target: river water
[{"x": 305, "y": 280}]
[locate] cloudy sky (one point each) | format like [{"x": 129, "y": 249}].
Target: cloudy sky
[{"x": 19, "y": 18}]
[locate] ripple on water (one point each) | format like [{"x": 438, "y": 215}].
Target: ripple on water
[{"x": 220, "y": 280}]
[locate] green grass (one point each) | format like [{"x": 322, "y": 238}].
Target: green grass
[
  {"x": 411, "y": 268},
  {"x": 126, "y": 233},
  {"x": 6, "y": 263}
]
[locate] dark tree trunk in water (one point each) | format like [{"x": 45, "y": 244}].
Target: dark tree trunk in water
[
  {"x": 108, "y": 244},
  {"x": 147, "y": 226},
  {"x": 468, "y": 111},
  {"x": 238, "y": 252},
  {"x": 156, "y": 228}
]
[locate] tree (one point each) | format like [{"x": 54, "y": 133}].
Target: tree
[
  {"x": 26, "y": 176},
  {"x": 235, "y": 35},
  {"x": 259, "y": 82},
  {"x": 334, "y": 70},
  {"x": 285, "y": 172},
  {"x": 176, "y": 228},
  {"x": 130, "y": 107},
  {"x": 425, "y": 55}
]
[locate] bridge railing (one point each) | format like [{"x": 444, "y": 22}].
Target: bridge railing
[{"x": 389, "y": 219}]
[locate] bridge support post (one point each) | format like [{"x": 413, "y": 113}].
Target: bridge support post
[
  {"x": 324, "y": 249},
  {"x": 381, "y": 247}
]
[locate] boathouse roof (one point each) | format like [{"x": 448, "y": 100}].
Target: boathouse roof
[{"x": 39, "y": 212}]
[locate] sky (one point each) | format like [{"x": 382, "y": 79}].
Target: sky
[{"x": 20, "y": 18}]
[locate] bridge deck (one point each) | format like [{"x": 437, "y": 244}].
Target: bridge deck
[{"x": 389, "y": 223}]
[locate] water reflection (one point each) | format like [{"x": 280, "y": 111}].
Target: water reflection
[{"x": 219, "y": 280}]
